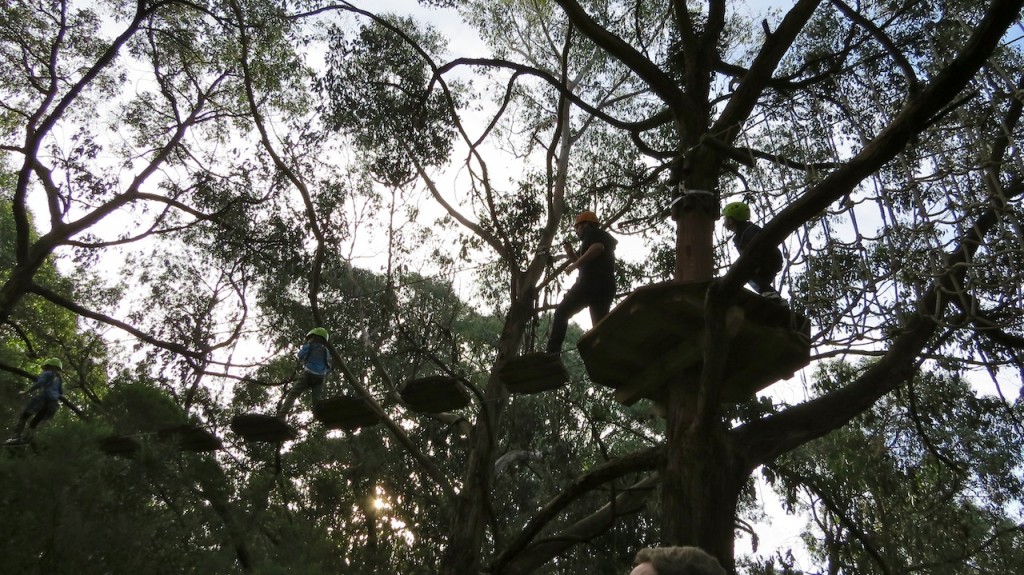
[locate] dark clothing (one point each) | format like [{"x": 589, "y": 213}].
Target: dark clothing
[
  {"x": 766, "y": 270},
  {"x": 307, "y": 381},
  {"x": 44, "y": 405},
  {"x": 594, "y": 287},
  {"x": 599, "y": 272}
]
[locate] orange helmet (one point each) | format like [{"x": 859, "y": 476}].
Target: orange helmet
[{"x": 587, "y": 216}]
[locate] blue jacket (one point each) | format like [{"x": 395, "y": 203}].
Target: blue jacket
[
  {"x": 50, "y": 383},
  {"x": 315, "y": 357}
]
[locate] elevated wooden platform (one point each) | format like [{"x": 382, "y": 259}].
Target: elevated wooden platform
[
  {"x": 656, "y": 334},
  {"x": 434, "y": 394},
  {"x": 345, "y": 413},
  {"x": 185, "y": 437},
  {"x": 262, "y": 428},
  {"x": 191, "y": 438},
  {"x": 123, "y": 445},
  {"x": 534, "y": 372}
]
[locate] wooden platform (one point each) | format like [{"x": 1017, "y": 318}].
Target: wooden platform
[
  {"x": 124, "y": 445},
  {"x": 656, "y": 335},
  {"x": 191, "y": 438},
  {"x": 434, "y": 394},
  {"x": 345, "y": 413},
  {"x": 259, "y": 427},
  {"x": 534, "y": 372}
]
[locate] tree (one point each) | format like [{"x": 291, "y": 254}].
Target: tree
[
  {"x": 875, "y": 141},
  {"x": 887, "y": 86}
]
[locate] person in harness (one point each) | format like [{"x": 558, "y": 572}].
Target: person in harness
[
  {"x": 315, "y": 358},
  {"x": 595, "y": 285},
  {"x": 737, "y": 221},
  {"x": 43, "y": 406}
]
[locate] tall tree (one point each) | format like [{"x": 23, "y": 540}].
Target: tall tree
[
  {"x": 876, "y": 141},
  {"x": 830, "y": 108}
]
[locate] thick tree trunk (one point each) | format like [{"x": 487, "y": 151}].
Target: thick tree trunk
[
  {"x": 699, "y": 484},
  {"x": 700, "y": 487}
]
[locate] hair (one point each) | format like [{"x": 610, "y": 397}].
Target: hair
[{"x": 680, "y": 561}]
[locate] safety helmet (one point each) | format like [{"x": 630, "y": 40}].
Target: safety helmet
[
  {"x": 53, "y": 362},
  {"x": 320, "y": 332},
  {"x": 737, "y": 211},
  {"x": 586, "y": 216}
]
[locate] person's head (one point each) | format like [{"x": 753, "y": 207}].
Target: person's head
[
  {"x": 735, "y": 213},
  {"x": 318, "y": 332},
  {"x": 676, "y": 561},
  {"x": 53, "y": 364},
  {"x": 583, "y": 220}
]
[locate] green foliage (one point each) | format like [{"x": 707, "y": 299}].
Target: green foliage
[
  {"x": 79, "y": 511},
  {"x": 922, "y": 480},
  {"x": 381, "y": 90}
]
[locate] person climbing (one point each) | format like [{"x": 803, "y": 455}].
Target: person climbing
[
  {"x": 737, "y": 220},
  {"x": 595, "y": 285},
  {"x": 42, "y": 406},
  {"x": 315, "y": 358}
]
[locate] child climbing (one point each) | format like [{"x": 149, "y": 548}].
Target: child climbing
[
  {"x": 42, "y": 406},
  {"x": 737, "y": 220},
  {"x": 315, "y": 358}
]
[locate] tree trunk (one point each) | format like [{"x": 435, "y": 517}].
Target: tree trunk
[
  {"x": 472, "y": 508},
  {"x": 700, "y": 484},
  {"x": 699, "y": 481}
]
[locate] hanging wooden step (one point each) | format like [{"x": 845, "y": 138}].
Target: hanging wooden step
[
  {"x": 193, "y": 438},
  {"x": 123, "y": 445},
  {"x": 268, "y": 382},
  {"x": 345, "y": 413},
  {"x": 534, "y": 372},
  {"x": 656, "y": 335},
  {"x": 264, "y": 428},
  {"x": 434, "y": 394}
]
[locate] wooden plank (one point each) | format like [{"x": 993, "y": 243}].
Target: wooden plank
[
  {"x": 434, "y": 394},
  {"x": 650, "y": 382},
  {"x": 123, "y": 445},
  {"x": 192, "y": 438},
  {"x": 534, "y": 373},
  {"x": 259, "y": 427},
  {"x": 346, "y": 413}
]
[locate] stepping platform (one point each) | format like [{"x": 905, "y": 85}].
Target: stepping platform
[
  {"x": 534, "y": 372},
  {"x": 265, "y": 428},
  {"x": 191, "y": 438},
  {"x": 345, "y": 413},
  {"x": 656, "y": 334},
  {"x": 124, "y": 445},
  {"x": 434, "y": 394},
  {"x": 268, "y": 383}
]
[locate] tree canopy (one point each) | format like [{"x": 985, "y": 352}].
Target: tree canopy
[{"x": 189, "y": 187}]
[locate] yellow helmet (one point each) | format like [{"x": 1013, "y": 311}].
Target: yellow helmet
[{"x": 737, "y": 211}]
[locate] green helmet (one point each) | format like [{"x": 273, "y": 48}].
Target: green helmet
[
  {"x": 737, "y": 211},
  {"x": 320, "y": 332},
  {"x": 53, "y": 362}
]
